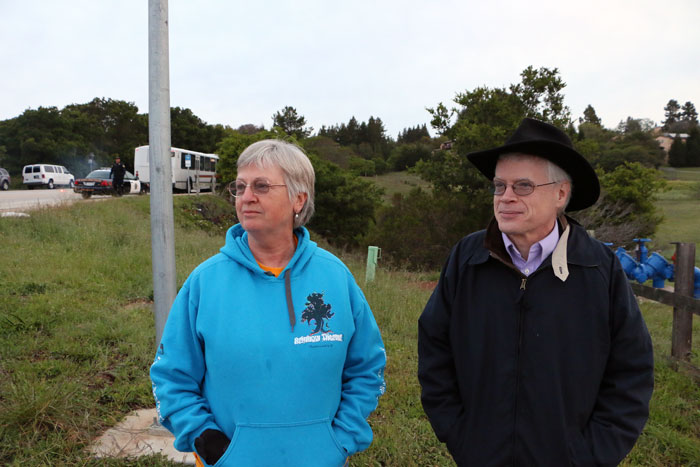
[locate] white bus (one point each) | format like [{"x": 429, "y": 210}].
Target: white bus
[{"x": 192, "y": 170}]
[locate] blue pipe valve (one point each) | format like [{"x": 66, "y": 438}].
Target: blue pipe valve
[
  {"x": 654, "y": 267},
  {"x": 659, "y": 270},
  {"x": 642, "y": 249},
  {"x": 629, "y": 265}
]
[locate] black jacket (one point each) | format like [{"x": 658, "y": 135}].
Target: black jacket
[
  {"x": 534, "y": 371},
  {"x": 118, "y": 171}
]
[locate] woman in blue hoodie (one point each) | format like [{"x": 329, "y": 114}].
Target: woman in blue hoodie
[{"x": 271, "y": 355}]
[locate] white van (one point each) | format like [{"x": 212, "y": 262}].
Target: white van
[
  {"x": 46, "y": 175},
  {"x": 192, "y": 170}
]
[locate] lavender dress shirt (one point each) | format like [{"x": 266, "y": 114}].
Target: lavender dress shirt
[{"x": 538, "y": 251}]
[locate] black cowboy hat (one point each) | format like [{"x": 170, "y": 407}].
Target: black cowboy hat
[{"x": 549, "y": 142}]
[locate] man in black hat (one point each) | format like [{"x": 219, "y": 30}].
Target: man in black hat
[
  {"x": 117, "y": 174},
  {"x": 532, "y": 349}
]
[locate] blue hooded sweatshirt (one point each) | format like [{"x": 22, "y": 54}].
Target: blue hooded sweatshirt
[{"x": 288, "y": 368}]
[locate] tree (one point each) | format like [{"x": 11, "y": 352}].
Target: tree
[
  {"x": 418, "y": 230},
  {"x": 291, "y": 123},
  {"x": 413, "y": 135},
  {"x": 635, "y": 125},
  {"x": 103, "y": 127},
  {"x": 442, "y": 118},
  {"x": 110, "y": 127},
  {"x": 345, "y": 204},
  {"x": 250, "y": 129},
  {"x": 589, "y": 116},
  {"x": 633, "y": 142},
  {"x": 231, "y": 146},
  {"x": 42, "y": 135},
  {"x": 362, "y": 167},
  {"x": 367, "y": 140},
  {"x": 376, "y": 133},
  {"x": 692, "y": 148},
  {"x": 677, "y": 153},
  {"x": 689, "y": 114},
  {"x": 672, "y": 113},
  {"x": 351, "y": 135},
  {"x": 405, "y": 156},
  {"x": 328, "y": 149},
  {"x": 190, "y": 132},
  {"x": 540, "y": 93},
  {"x": 626, "y": 207},
  {"x": 485, "y": 118},
  {"x": 3, "y": 157}
]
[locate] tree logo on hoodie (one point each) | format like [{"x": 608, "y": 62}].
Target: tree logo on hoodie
[{"x": 318, "y": 311}]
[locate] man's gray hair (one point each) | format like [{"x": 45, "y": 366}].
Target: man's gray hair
[
  {"x": 298, "y": 172},
  {"x": 554, "y": 172}
]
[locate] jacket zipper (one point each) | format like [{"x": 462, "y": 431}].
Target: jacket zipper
[
  {"x": 517, "y": 382},
  {"x": 523, "y": 283}
]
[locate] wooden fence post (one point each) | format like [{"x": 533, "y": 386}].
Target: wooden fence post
[{"x": 681, "y": 337}]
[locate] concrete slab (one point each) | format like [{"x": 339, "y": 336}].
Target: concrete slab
[{"x": 138, "y": 436}]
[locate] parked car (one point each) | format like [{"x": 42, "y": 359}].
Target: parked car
[
  {"x": 4, "y": 180},
  {"x": 46, "y": 175},
  {"x": 98, "y": 182}
]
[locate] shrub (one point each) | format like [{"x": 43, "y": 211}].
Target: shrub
[
  {"x": 626, "y": 208},
  {"x": 345, "y": 204},
  {"x": 419, "y": 230}
]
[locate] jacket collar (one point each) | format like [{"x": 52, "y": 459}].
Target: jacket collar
[{"x": 571, "y": 248}]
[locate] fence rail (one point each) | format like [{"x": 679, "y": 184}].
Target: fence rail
[{"x": 688, "y": 304}]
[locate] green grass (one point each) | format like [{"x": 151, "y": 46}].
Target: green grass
[
  {"x": 76, "y": 327},
  {"x": 77, "y": 338},
  {"x": 672, "y": 434},
  {"x": 684, "y": 173},
  {"x": 680, "y": 206},
  {"x": 398, "y": 182}
]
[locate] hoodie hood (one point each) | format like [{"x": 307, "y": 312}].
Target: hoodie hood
[{"x": 237, "y": 249}]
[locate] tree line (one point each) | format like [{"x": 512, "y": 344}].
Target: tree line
[
  {"x": 415, "y": 230},
  {"x": 420, "y": 228},
  {"x": 97, "y": 131},
  {"x": 682, "y": 123}
]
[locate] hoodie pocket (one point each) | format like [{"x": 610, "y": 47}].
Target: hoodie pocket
[{"x": 291, "y": 444}]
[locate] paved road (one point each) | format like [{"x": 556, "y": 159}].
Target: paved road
[
  {"x": 25, "y": 200},
  {"x": 14, "y": 200}
]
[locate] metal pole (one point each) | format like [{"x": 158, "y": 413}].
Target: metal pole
[
  {"x": 162, "y": 225},
  {"x": 682, "y": 333}
]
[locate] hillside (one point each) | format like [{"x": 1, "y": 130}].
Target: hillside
[{"x": 77, "y": 339}]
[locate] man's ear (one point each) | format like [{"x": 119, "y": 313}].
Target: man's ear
[{"x": 563, "y": 193}]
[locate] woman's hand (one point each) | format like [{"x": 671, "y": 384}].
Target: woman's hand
[{"x": 211, "y": 445}]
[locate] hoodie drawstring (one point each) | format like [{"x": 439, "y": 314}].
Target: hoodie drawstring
[{"x": 288, "y": 292}]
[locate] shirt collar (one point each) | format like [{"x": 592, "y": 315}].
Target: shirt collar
[{"x": 545, "y": 247}]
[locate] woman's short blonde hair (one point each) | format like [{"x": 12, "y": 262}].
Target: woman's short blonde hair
[{"x": 299, "y": 175}]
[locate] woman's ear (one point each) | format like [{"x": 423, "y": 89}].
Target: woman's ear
[{"x": 300, "y": 201}]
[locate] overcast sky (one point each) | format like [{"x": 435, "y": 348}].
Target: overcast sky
[{"x": 235, "y": 62}]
